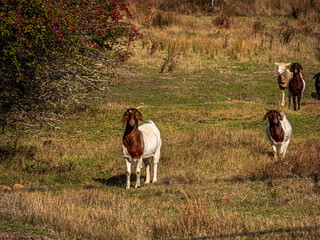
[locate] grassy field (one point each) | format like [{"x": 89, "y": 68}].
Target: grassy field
[{"x": 216, "y": 173}]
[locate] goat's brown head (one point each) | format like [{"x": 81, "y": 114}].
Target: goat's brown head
[
  {"x": 274, "y": 116},
  {"x": 131, "y": 116},
  {"x": 295, "y": 68}
]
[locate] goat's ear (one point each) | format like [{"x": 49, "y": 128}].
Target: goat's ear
[
  {"x": 291, "y": 68},
  {"x": 288, "y": 64},
  {"x": 300, "y": 67},
  {"x": 140, "y": 116},
  {"x": 265, "y": 116},
  {"x": 124, "y": 118},
  {"x": 276, "y": 64}
]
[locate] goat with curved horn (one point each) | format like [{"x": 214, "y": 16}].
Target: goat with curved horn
[{"x": 139, "y": 144}]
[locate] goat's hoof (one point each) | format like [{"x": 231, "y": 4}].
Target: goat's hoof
[
  {"x": 147, "y": 182},
  {"x": 137, "y": 186}
]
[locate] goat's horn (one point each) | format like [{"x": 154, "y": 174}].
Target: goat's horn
[
  {"x": 140, "y": 107},
  {"x": 267, "y": 110},
  {"x": 126, "y": 107}
]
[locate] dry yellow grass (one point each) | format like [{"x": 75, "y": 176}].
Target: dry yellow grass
[
  {"x": 242, "y": 40},
  {"x": 204, "y": 189}
]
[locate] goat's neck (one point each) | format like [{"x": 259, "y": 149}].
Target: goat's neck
[
  {"x": 296, "y": 74},
  {"x": 284, "y": 75},
  {"x": 133, "y": 141},
  {"x": 131, "y": 130},
  {"x": 276, "y": 130},
  {"x": 275, "y": 126}
]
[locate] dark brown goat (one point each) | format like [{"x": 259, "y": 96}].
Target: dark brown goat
[
  {"x": 317, "y": 84},
  {"x": 296, "y": 85}
]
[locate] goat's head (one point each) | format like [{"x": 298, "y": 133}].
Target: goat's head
[
  {"x": 317, "y": 76},
  {"x": 295, "y": 68},
  {"x": 274, "y": 116},
  {"x": 131, "y": 116},
  {"x": 282, "y": 67}
]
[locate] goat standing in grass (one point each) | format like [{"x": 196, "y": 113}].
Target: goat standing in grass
[
  {"x": 139, "y": 144},
  {"x": 284, "y": 76},
  {"x": 279, "y": 132},
  {"x": 296, "y": 86},
  {"x": 317, "y": 84}
]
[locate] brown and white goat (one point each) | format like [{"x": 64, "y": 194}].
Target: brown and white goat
[
  {"x": 140, "y": 143},
  {"x": 279, "y": 132},
  {"x": 296, "y": 85},
  {"x": 317, "y": 84}
]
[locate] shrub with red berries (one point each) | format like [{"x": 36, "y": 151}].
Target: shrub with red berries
[{"x": 56, "y": 53}]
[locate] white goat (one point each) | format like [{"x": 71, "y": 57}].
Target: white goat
[
  {"x": 279, "y": 132},
  {"x": 284, "y": 76},
  {"x": 139, "y": 144}
]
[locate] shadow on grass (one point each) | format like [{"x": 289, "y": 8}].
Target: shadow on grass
[{"x": 118, "y": 180}]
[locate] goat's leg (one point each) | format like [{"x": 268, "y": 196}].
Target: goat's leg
[
  {"x": 294, "y": 99},
  {"x": 283, "y": 96},
  {"x": 285, "y": 148},
  {"x": 128, "y": 173},
  {"x": 299, "y": 99},
  {"x": 155, "y": 165},
  {"x": 138, "y": 172},
  {"x": 282, "y": 152},
  {"x": 148, "y": 166},
  {"x": 289, "y": 97},
  {"x": 275, "y": 154}
]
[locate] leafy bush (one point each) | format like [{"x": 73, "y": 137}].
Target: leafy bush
[{"x": 55, "y": 53}]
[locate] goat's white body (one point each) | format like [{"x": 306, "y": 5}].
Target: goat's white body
[
  {"x": 152, "y": 145},
  {"x": 281, "y": 147}
]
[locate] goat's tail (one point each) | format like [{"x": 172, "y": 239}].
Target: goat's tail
[{"x": 149, "y": 121}]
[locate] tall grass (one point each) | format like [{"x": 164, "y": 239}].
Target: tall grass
[{"x": 230, "y": 38}]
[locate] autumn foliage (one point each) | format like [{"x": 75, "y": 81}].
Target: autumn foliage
[{"x": 56, "y": 53}]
